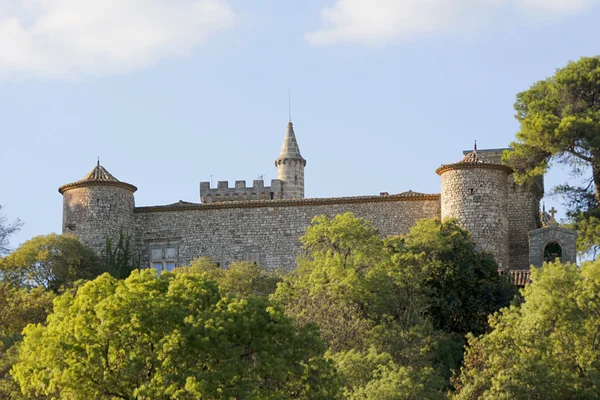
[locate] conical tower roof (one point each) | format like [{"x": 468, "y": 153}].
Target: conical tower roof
[
  {"x": 473, "y": 160},
  {"x": 473, "y": 157},
  {"x": 289, "y": 148},
  {"x": 98, "y": 176}
]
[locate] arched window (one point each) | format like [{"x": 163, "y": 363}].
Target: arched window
[{"x": 552, "y": 251}]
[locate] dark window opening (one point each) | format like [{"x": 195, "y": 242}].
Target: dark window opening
[
  {"x": 552, "y": 251},
  {"x": 272, "y": 195},
  {"x": 296, "y": 178}
]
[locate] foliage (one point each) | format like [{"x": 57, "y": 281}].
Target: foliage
[
  {"x": 170, "y": 337},
  {"x": 560, "y": 121},
  {"x": 118, "y": 259},
  {"x": 51, "y": 261},
  {"x": 6, "y": 230},
  {"x": 376, "y": 376},
  {"x": 241, "y": 278},
  {"x": 411, "y": 298},
  {"x": 462, "y": 285},
  {"x": 548, "y": 348},
  {"x": 18, "y": 308}
]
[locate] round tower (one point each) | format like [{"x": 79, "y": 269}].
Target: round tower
[
  {"x": 475, "y": 192},
  {"x": 290, "y": 166},
  {"x": 97, "y": 206}
]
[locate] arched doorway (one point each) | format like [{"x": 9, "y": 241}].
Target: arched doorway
[{"x": 552, "y": 251}]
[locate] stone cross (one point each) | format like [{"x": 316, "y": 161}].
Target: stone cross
[{"x": 552, "y": 212}]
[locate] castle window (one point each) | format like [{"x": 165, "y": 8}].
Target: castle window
[
  {"x": 163, "y": 257},
  {"x": 253, "y": 256}
]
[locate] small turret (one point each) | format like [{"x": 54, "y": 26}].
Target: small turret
[
  {"x": 474, "y": 191},
  {"x": 290, "y": 166},
  {"x": 97, "y": 206}
]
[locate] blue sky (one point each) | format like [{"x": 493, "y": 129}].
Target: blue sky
[{"x": 168, "y": 93}]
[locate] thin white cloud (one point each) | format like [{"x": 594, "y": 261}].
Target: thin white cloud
[
  {"x": 557, "y": 7},
  {"x": 72, "y": 38},
  {"x": 377, "y": 22}
]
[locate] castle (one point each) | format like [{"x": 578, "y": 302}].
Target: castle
[{"x": 263, "y": 223}]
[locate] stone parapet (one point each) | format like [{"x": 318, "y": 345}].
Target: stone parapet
[{"x": 223, "y": 193}]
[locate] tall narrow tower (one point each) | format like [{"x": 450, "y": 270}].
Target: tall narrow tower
[{"x": 290, "y": 166}]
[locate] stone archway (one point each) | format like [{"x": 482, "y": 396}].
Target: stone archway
[{"x": 552, "y": 251}]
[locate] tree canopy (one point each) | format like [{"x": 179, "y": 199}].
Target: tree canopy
[
  {"x": 241, "y": 278},
  {"x": 175, "y": 336},
  {"x": 18, "y": 308},
  {"x": 461, "y": 285},
  {"x": 51, "y": 261},
  {"x": 547, "y": 348},
  {"x": 560, "y": 121},
  {"x": 403, "y": 302}
]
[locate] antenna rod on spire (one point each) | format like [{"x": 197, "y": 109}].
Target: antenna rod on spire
[
  {"x": 98, "y": 160},
  {"x": 475, "y": 147}
]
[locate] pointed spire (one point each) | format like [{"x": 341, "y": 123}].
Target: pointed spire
[{"x": 290, "y": 148}]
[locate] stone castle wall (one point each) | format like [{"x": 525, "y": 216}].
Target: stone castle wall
[
  {"x": 267, "y": 231},
  {"x": 477, "y": 196},
  {"x": 92, "y": 213},
  {"x": 523, "y": 216}
]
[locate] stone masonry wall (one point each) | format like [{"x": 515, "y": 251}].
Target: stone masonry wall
[
  {"x": 523, "y": 215},
  {"x": 477, "y": 197},
  {"x": 266, "y": 232},
  {"x": 91, "y": 213},
  {"x": 539, "y": 239},
  {"x": 523, "y": 211}
]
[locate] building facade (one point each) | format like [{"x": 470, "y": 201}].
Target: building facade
[{"x": 263, "y": 223}]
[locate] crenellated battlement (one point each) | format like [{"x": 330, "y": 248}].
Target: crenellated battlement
[{"x": 240, "y": 192}]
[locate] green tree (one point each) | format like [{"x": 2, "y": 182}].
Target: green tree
[
  {"x": 560, "y": 122},
  {"x": 170, "y": 337},
  {"x": 18, "y": 308},
  {"x": 376, "y": 376},
  {"x": 462, "y": 286},
  {"x": 241, "y": 278},
  {"x": 365, "y": 299},
  {"x": 51, "y": 261},
  {"x": 547, "y": 348}
]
